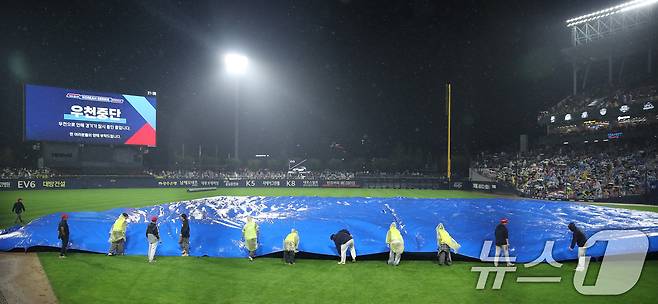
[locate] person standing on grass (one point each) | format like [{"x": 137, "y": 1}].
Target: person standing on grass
[
  {"x": 18, "y": 208},
  {"x": 63, "y": 234},
  {"x": 445, "y": 243},
  {"x": 578, "y": 238},
  {"x": 395, "y": 243},
  {"x": 290, "y": 245},
  {"x": 502, "y": 242},
  {"x": 118, "y": 235},
  {"x": 250, "y": 235},
  {"x": 343, "y": 241},
  {"x": 184, "y": 239},
  {"x": 153, "y": 238}
]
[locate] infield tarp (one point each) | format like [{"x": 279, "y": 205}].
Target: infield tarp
[{"x": 216, "y": 224}]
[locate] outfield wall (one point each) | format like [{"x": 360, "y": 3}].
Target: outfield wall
[
  {"x": 100, "y": 182},
  {"x": 92, "y": 182}
]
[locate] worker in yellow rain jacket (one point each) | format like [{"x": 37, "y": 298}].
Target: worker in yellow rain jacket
[
  {"x": 250, "y": 235},
  {"x": 445, "y": 243},
  {"x": 290, "y": 245},
  {"x": 118, "y": 235},
  {"x": 395, "y": 243}
]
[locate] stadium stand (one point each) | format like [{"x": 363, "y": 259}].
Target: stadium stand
[
  {"x": 602, "y": 98},
  {"x": 18, "y": 173},
  {"x": 595, "y": 171},
  {"x": 587, "y": 112},
  {"x": 15, "y": 173}
]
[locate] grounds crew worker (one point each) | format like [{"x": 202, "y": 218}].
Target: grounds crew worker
[
  {"x": 63, "y": 234},
  {"x": 184, "y": 239},
  {"x": 118, "y": 235},
  {"x": 343, "y": 241},
  {"x": 250, "y": 235},
  {"x": 18, "y": 208},
  {"x": 445, "y": 243},
  {"x": 578, "y": 238},
  {"x": 502, "y": 242},
  {"x": 395, "y": 243},
  {"x": 290, "y": 245},
  {"x": 153, "y": 238}
]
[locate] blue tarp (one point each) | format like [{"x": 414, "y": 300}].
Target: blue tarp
[{"x": 216, "y": 224}]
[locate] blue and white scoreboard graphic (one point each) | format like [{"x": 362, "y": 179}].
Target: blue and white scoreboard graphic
[{"x": 66, "y": 115}]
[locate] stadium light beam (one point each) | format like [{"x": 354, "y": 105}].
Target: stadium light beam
[{"x": 236, "y": 64}]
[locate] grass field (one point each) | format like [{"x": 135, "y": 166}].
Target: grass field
[{"x": 95, "y": 278}]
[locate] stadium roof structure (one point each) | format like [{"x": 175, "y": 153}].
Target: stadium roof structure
[
  {"x": 620, "y": 18},
  {"x": 612, "y": 34}
]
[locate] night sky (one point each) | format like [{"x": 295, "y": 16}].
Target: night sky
[{"x": 321, "y": 72}]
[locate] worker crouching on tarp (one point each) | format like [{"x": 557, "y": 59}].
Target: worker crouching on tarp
[
  {"x": 578, "y": 238},
  {"x": 290, "y": 245},
  {"x": 344, "y": 241},
  {"x": 250, "y": 234},
  {"x": 445, "y": 242},
  {"x": 118, "y": 235},
  {"x": 395, "y": 244}
]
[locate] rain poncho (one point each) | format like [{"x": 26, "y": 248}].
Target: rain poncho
[
  {"x": 291, "y": 242},
  {"x": 443, "y": 237},
  {"x": 250, "y": 230},
  {"x": 394, "y": 239},
  {"x": 118, "y": 231}
]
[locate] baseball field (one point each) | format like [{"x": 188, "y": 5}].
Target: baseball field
[{"x": 92, "y": 278}]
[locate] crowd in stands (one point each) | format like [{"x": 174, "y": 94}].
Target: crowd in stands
[
  {"x": 394, "y": 174},
  {"x": 251, "y": 174},
  {"x": 16, "y": 173},
  {"x": 591, "y": 172},
  {"x": 262, "y": 174},
  {"x": 278, "y": 174}
]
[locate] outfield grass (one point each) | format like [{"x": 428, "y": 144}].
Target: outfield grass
[
  {"x": 652, "y": 208},
  {"x": 43, "y": 202},
  {"x": 94, "y": 278}
]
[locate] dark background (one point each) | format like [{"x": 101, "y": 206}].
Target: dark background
[{"x": 368, "y": 75}]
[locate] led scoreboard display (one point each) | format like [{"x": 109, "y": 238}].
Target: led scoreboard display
[{"x": 66, "y": 115}]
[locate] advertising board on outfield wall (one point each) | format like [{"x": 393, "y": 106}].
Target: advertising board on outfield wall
[
  {"x": 145, "y": 182},
  {"x": 149, "y": 182}
]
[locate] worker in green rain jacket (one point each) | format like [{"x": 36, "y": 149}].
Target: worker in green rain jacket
[
  {"x": 445, "y": 242},
  {"x": 250, "y": 235},
  {"x": 395, "y": 243},
  {"x": 118, "y": 235},
  {"x": 290, "y": 245}
]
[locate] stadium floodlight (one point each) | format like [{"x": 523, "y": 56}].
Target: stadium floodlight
[
  {"x": 236, "y": 63},
  {"x": 624, "y": 7}
]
